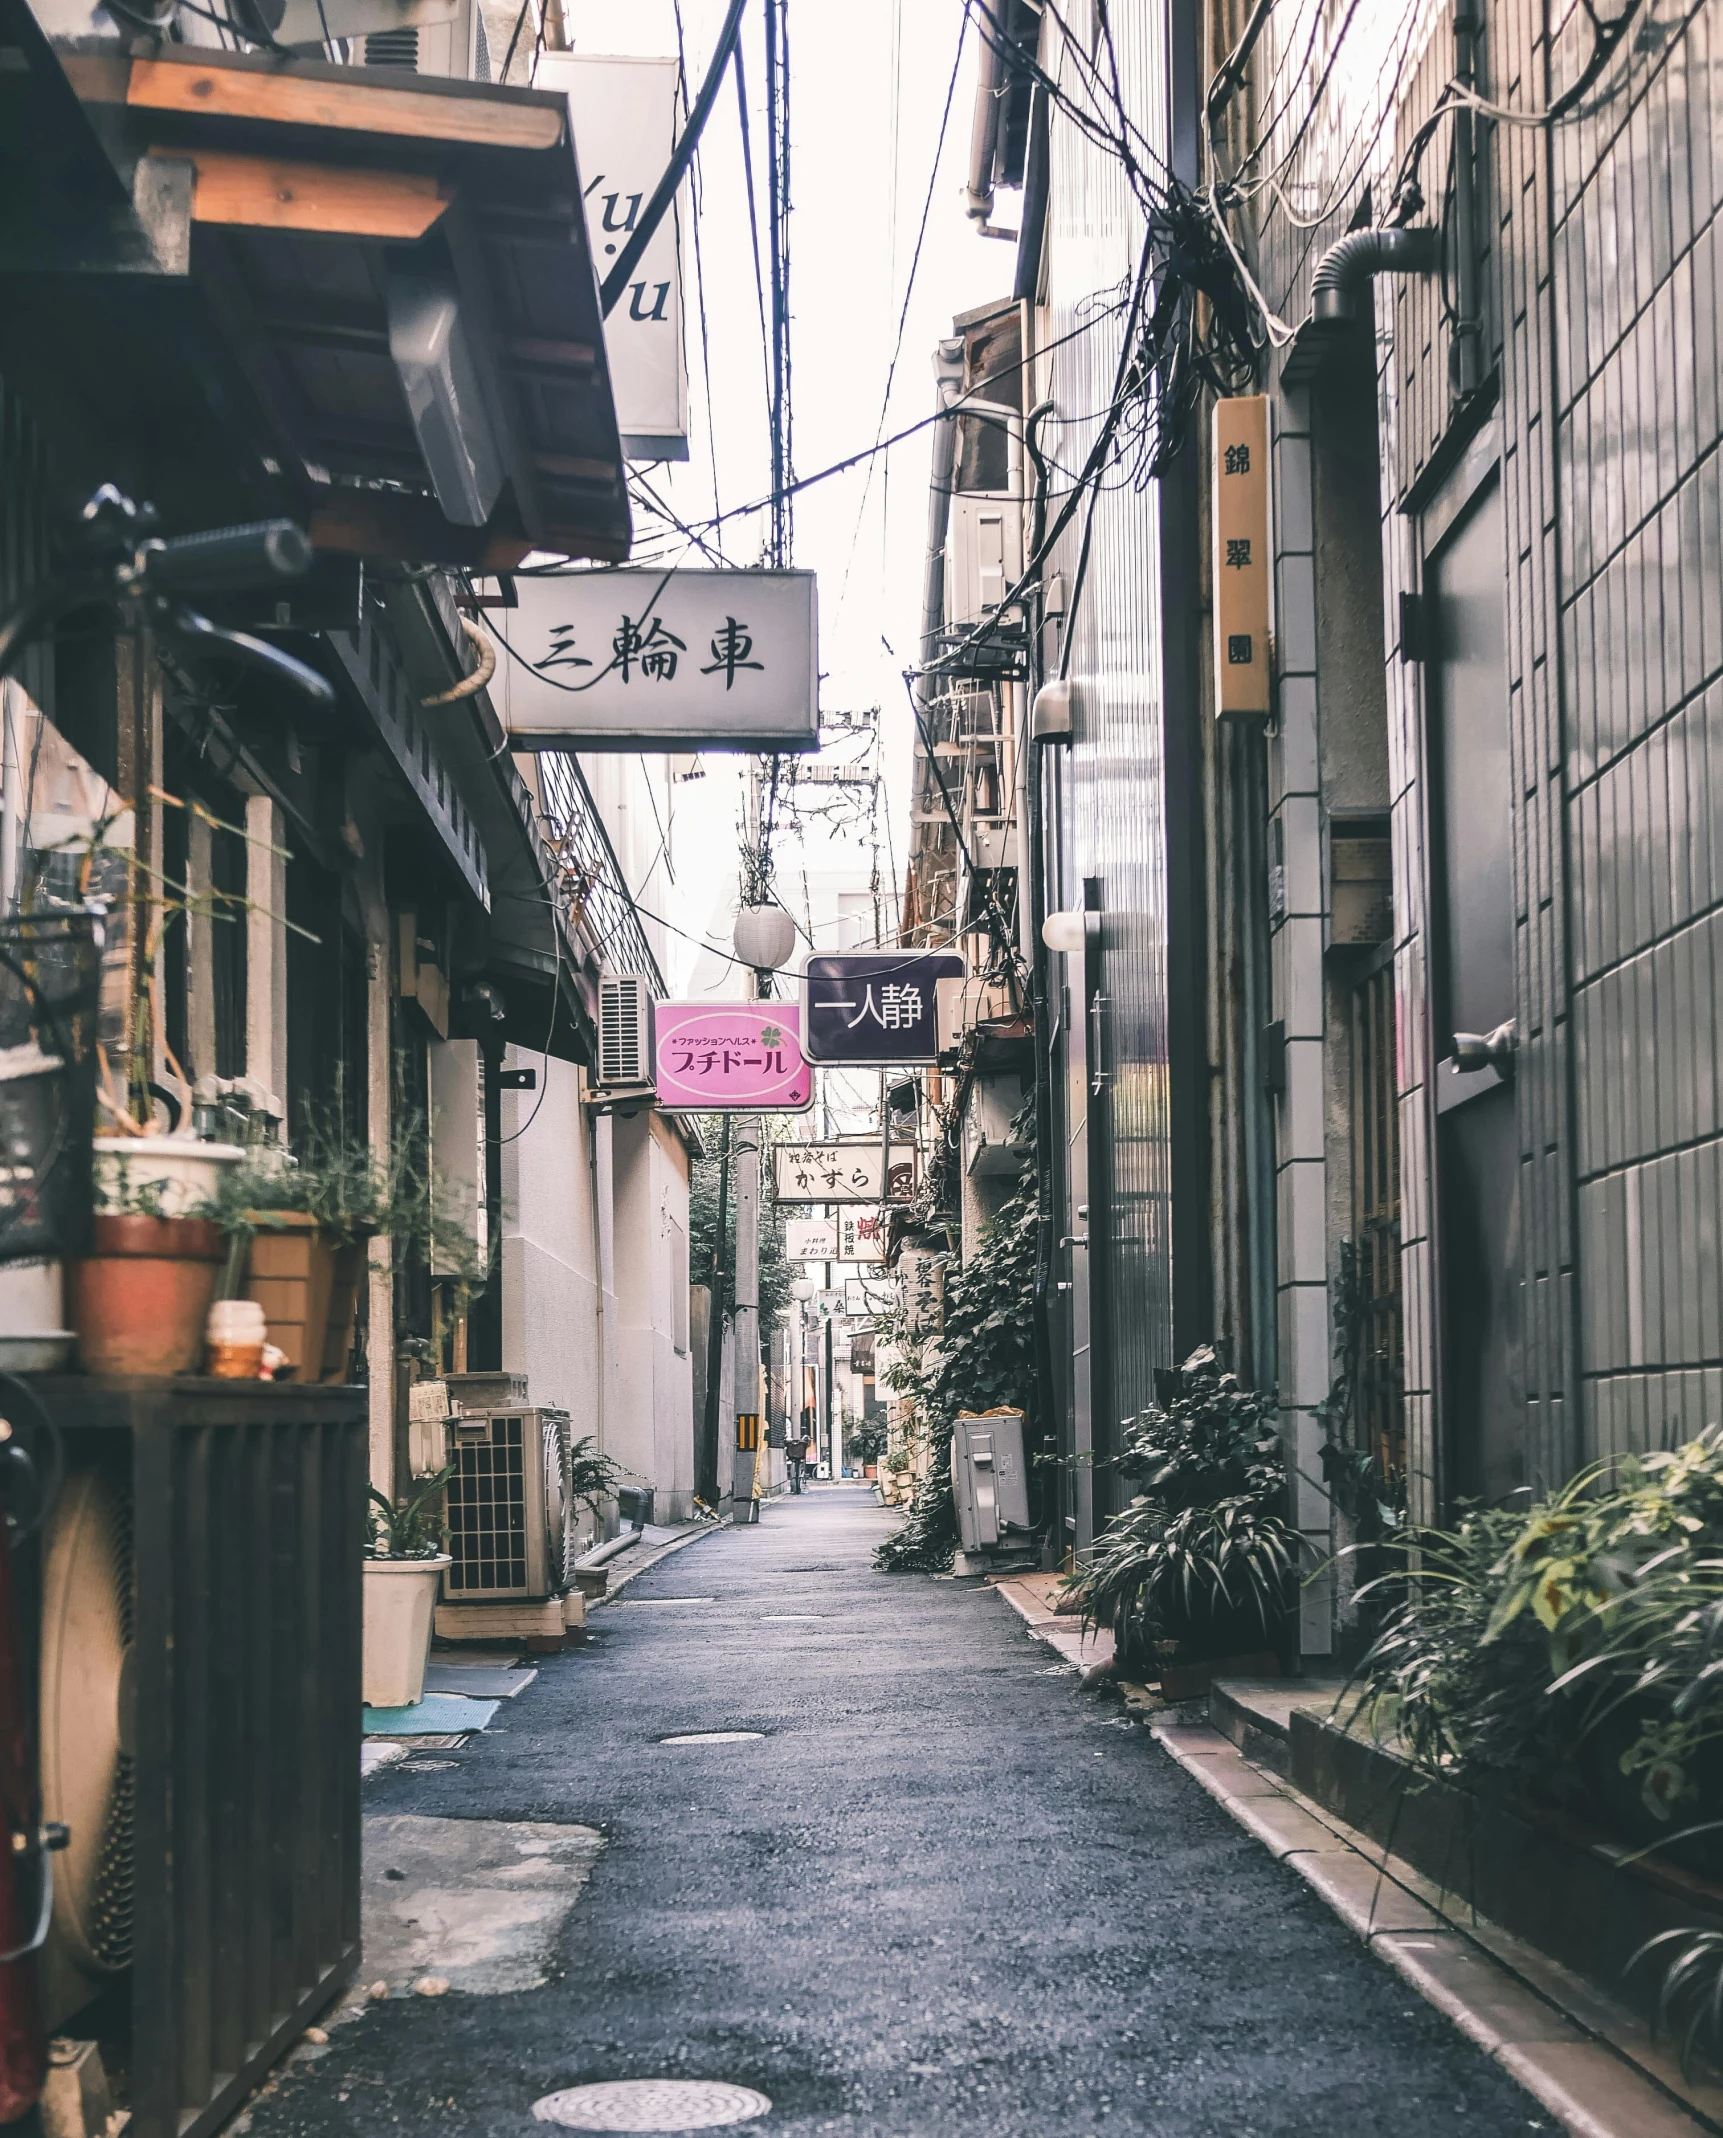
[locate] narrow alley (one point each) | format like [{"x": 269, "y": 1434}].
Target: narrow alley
[{"x": 941, "y": 1891}]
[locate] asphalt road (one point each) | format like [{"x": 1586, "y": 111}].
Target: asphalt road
[{"x": 942, "y": 1893}]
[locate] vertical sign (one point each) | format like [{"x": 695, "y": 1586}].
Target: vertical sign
[
  {"x": 1243, "y": 559},
  {"x": 623, "y": 113}
]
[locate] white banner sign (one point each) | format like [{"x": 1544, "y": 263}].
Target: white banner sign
[
  {"x": 660, "y": 660},
  {"x": 623, "y": 112},
  {"x": 856, "y": 1234},
  {"x": 841, "y": 1173}
]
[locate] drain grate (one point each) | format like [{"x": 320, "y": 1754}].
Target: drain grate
[
  {"x": 713, "y": 1737},
  {"x": 651, "y": 2105}
]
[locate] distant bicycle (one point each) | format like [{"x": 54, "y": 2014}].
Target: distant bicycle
[{"x": 796, "y": 1456}]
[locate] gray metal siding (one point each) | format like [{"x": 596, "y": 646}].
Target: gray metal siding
[{"x": 1117, "y": 790}]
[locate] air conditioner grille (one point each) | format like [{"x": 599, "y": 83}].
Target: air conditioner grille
[
  {"x": 624, "y": 1042},
  {"x": 487, "y": 1510}
]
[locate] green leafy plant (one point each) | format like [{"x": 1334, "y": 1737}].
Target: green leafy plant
[
  {"x": 1690, "y": 1996},
  {"x": 1579, "y": 1643},
  {"x": 355, "y": 1192},
  {"x": 1202, "y": 1556},
  {"x": 983, "y": 1359},
  {"x": 410, "y": 1527},
  {"x": 592, "y": 1477}
]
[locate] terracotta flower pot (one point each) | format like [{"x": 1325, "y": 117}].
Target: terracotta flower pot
[
  {"x": 306, "y": 1281},
  {"x": 140, "y": 1299}
]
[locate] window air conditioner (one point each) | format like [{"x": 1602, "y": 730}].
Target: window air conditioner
[
  {"x": 625, "y": 1053},
  {"x": 508, "y": 1512},
  {"x": 439, "y": 37}
]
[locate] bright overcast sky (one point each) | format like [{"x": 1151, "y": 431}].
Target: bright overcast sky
[{"x": 868, "y": 85}]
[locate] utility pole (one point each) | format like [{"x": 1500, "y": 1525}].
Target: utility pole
[
  {"x": 750, "y": 1435},
  {"x": 707, "y": 1484}
]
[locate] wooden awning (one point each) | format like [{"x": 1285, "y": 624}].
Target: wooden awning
[{"x": 253, "y": 367}]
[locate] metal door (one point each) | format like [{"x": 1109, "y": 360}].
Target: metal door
[{"x": 1471, "y": 866}]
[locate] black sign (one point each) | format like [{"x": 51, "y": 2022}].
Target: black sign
[{"x": 870, "y": 1008}]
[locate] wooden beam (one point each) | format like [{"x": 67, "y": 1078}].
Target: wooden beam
[
  {"x": 268, "y": 193},
  {"x": 283, "y": 97}
]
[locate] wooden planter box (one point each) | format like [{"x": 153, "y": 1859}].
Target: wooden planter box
[{"x": 307, "y": 1283}]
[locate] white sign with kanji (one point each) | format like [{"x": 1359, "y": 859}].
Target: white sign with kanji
[
  {"x": 631, "y": 659},
  {"x": 841, "y": 1173}
]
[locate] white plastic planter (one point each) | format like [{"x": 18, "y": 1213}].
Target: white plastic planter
[
  {"x": 183, "y": 1171},
  {"x": 400, "y": 1597}
]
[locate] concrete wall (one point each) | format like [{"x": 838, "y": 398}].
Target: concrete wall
[
  {"x": 559, "y": 1313},
  {"x": 653, "y": 1432}
]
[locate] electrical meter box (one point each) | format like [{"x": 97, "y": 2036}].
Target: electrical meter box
[{"x": 989, "y": 1480}]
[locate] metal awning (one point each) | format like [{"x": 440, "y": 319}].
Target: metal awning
[{"x": 365, "y": 300}]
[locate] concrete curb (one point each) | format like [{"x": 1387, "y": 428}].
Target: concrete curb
[
  {"x": 1517, "y": 2006},
  {"x": 635, "y": 1567}
]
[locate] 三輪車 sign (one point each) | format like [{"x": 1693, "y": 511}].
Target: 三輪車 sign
[{"x": 660, "y": 660}]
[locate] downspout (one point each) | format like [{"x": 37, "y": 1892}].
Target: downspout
[
  {"x": 1046, "y": 1229},
  {"x": 1466, "y": 343},
  {"x": 948, "y": 373},
  {"x": 983, "y": 141},
  {"x": 1344, "y": 269}
]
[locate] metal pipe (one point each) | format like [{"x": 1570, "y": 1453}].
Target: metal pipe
[
  {"x": 1345, "y": 268},
  {"x": 983, "y": 135},
  {"x": 948, "y": 373}
]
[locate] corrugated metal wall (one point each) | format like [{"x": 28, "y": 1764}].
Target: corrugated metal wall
[
  {"x": 1116, "y": 826},
  {"x": 1597, "y": 255}
]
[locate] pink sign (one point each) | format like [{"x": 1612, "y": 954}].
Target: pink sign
[{"x": 732, "y": 1057}]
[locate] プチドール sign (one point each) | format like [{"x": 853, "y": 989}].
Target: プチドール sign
[{"x": 731, "y": 1057}]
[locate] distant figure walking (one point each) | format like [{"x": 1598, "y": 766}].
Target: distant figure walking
[{"x": 796, "y": 1455}]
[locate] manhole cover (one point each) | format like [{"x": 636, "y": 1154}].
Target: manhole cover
[
  {"x": 712, "y": 1737},
  {"x": 651, "y": 2105}
]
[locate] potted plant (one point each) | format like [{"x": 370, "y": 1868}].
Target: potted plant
[
  {"x": 300, "y": 1230},
  {"x": 404, "y": 1562},
  {"x": 1198, "y": 1572},
  {"x": 140, "y": 1298}
]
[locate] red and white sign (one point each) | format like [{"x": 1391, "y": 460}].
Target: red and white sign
[{"x": 732, "y": 1057}]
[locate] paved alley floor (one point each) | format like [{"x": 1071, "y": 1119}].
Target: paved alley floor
[{"x": 941, "y": 1892}]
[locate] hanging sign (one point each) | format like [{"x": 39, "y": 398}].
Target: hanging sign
[
  {"x": 731, "y": 1057},
  {"x": 864, "y": 1296},
  {"x": 660, "y": 660},
  {"x": 623, "y": 116},
  {"x": 811, "y": 1239},
  {"x": 869, "y": 1009},
  {"x": 1243, "y": 566},
  {"x": 841, "y": 1173},
  {"x": 861, "y": 1352},
  {"x": 861, "y": 1234}
]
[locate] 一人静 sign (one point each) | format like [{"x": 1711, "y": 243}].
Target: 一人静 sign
[
  {"x": 731, "y": 1057},
  {"x": 623, "y": 114},
  {"x": 660, "y": 660},
  {"x": 842, "y": 1173},
  {"x": 870, "y": 1007}
]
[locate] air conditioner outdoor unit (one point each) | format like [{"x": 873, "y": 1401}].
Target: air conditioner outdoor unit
[
  {"x": 625, "y": 1051},
  {"x": 984, "y": 548},
  {"x": 508, "y": 1512}
]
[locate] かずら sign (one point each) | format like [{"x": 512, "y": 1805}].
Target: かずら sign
[
  {"x": 841, "y": 1173},
  {"x": 660, "y": 660},
  {"x": 869, "y": 1008},
  {"x": 731, "y": 1057}
]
